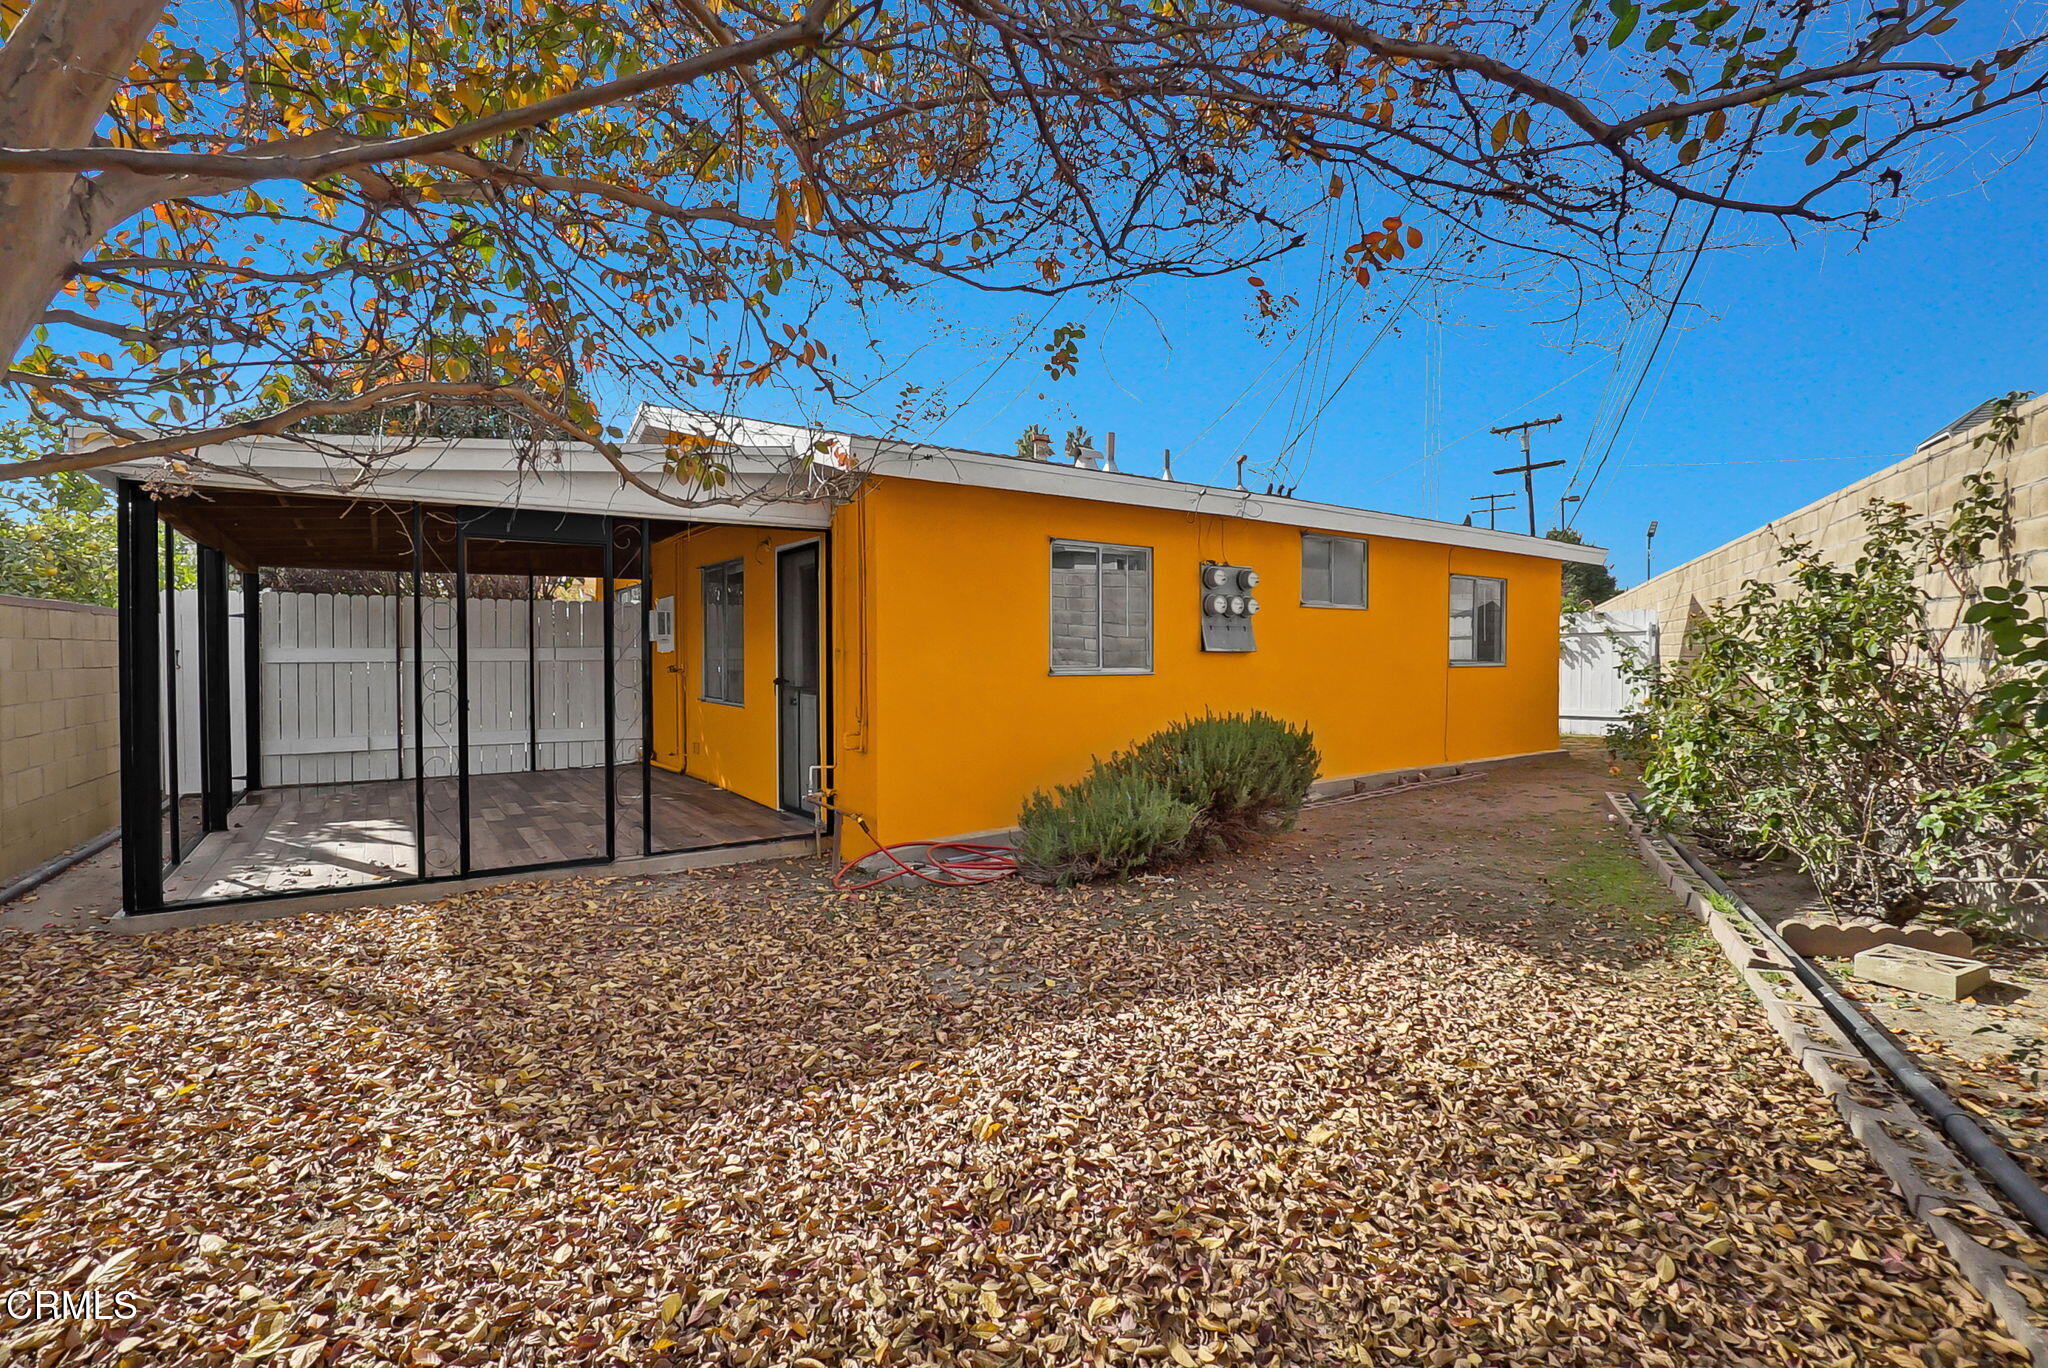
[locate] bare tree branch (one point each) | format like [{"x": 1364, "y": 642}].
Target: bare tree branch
[{"x": 250, "y": 168}]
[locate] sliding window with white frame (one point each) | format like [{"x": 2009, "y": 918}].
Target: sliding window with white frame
[
  {"x": 1479, "y": 610},
  {"x": 1101, "y": 609}
]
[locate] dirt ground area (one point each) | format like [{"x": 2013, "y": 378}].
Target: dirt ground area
[
  {"x": 1440, "y": 1078},
  {"x": 86, "y": 895},
  {"x": 1990, "y": 1050}
]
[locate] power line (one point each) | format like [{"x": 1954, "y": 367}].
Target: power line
[
  {"x": 1386, "y": 326},
  {"x": 1768, "y": 460},
  {"x": 1671, "y": 307}
]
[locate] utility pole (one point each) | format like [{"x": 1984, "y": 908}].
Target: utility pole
[
  {"x": 1492, "y": 507},
  {"x": 1649, "y": 537},
  {"x": 1564, "y": 499},
  {"x": 1527, "y": 469}
]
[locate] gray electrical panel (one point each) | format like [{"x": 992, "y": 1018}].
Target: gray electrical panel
[{"x": 1227, "y": 607}]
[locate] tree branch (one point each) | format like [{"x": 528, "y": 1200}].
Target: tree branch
[
  {"x": 245, "y": 168},
  {"x": 270, "y": 425},
  {"x": 1609, "y": 134}
]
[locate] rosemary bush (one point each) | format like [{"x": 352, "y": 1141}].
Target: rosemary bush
[
  {"x": 1202, "y": 784},
  {"x": 1244, "y": 775},
  {"x": 1109, "y": 824}
]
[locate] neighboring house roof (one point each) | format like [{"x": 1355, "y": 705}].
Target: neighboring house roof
[
  {"x": 781, "y": 475},
  {"x": 899, "y": 459}
]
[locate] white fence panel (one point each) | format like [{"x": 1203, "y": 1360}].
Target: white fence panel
[
  {"x": 628, "y": 681},
  {"x": 1593, "y": 687},
  {"x": 332, "y": 707},
  {"x": 338, "y": 702},
  {"x": 181, "y": 686}
]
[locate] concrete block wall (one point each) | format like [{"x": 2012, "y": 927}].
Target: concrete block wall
[
  {"x": 1930, "y": 480},
  {"x": 59, "y": 729}
]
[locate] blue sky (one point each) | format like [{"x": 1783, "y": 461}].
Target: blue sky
[{"x": 1800, "y": 369}]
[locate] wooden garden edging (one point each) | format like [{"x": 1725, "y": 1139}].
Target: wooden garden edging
[{"x": 1937, "y": 1185}]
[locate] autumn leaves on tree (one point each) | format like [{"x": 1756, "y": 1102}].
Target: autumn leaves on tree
[{"x": 226, "y": 224}]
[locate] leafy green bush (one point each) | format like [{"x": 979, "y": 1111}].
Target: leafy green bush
[
  {"x": 1838, "y": 717},
  {"x": 1244, "y": 775},
  {"x": 1201, "y": 784},
  {"x": 1110, "y": 824}
]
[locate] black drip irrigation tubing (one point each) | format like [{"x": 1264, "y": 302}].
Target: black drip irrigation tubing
[
  {"x": 1879, "y": 1047},
  {"x": 51, "y": 868}
]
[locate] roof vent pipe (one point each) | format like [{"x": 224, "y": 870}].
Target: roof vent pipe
[
  {"x": 1109, "y": 452},
  {"x": 1041, "y": 446},
  {"x": 1240, "y": 469},
  {"x": 1167, "y": 473}
]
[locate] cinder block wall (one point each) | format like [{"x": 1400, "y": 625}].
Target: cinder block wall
[
  {"x": 59, "y": 729},
  {"x": 1929, "y": 480}
]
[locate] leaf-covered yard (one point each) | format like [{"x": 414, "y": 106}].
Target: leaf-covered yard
[{"x": 1438, "y": 1079}]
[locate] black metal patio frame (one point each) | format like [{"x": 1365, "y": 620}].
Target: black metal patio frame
[{"x": 148, "y": 733}]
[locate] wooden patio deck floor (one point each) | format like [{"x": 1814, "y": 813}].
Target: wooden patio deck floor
[{"x": 321, "y": 836}]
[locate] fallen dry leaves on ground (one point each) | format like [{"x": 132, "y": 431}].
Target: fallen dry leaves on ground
[{"x": 1274, "y": 1111}]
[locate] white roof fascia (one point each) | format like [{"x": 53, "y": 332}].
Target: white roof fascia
[
  {"x": 768, "y": 476},
  {"x": 944, "y": 465},
  {"x": 486, "y": 473}
]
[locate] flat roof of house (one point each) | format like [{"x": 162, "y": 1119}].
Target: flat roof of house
[
  {"x": 899, "y": 459},
  {"x": 491, "y": 472},
  {"x": 782, "y": 475}
]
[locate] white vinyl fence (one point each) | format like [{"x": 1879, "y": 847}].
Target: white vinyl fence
[
  {"x": 338, "y": 699},
  {"x": 181, "y": 688},
  {"x": 1593, "y": 686}
]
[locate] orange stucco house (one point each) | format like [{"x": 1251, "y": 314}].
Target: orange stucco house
[{"x": 842, "y": 628}]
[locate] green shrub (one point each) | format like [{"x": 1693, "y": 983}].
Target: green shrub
[
  {"x": 1837, "y": 717},
  {"x": 1244, "y": 775},
  {"x": 1110, "y": 824},
  {"x": 1201, "y": 784}
]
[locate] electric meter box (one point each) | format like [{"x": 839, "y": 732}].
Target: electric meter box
[{"x": 1228, "y": 603}]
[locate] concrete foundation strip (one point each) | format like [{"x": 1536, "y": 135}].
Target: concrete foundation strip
[{"x": 1935, "y": 1182}]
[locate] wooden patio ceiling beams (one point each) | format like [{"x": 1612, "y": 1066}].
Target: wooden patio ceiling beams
[{"x": 256, "y": 529}]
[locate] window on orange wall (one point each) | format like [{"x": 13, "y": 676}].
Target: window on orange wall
[
  {"x": 1479, "y": 620},
  {"x": 725, "y": 642},
  {"x": 1332, "y": 571},
  {"x": 1101, "y": 608}
]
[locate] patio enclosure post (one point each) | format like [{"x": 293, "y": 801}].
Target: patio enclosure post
[
  {"x": 216, "y": 745},
  {"x": 611, "y": 702},
  {"x": 646, "y": 687},
  {"x": 167, "y": 697},
  {"x": 252, "y": 681},
  {"x": 419, "y": 708},
  {"x": 462, "y": 693},
  {"x": 532, "y": 685},
  {"x": 141, "y": 701}
]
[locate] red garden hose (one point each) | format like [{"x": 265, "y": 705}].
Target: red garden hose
[{"x": 949, "y": 864}]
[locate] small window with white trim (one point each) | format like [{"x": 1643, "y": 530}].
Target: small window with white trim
[
  {"x": 1101, "y": 608},
  {"x": 724, "y": 588},
  {"x": 1332, "y": 571},
  {"x": 1479, "y": 620}
]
